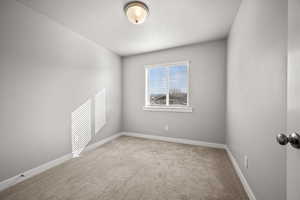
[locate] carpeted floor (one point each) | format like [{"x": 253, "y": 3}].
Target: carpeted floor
[{"x": 136, "y": 169}]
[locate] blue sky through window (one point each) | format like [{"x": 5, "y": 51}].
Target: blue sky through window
[
  {"x": 158, "y": 78},
  {"x": 178, "y": 78}
]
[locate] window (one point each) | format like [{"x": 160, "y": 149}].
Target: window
[{"x": 167, "y": 87}]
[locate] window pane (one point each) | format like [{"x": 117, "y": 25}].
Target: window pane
[
  {"x": 158, "y": 85},
  {"x": 178, "y": 85}
]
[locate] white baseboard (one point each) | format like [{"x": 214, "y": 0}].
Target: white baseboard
[
  {"x": 35, "y": 171},
  {"x": 101, "y": 142},
  {"x": 241, "y": 175},
  {"x": 176, "y": 140},
  {"x": 201, "y": 143},
  {"x": 32, "y": 172}
]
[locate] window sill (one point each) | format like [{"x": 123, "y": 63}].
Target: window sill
[{"x": 168, "y": 109}]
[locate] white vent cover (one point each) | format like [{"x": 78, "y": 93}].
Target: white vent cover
[
  {"x": 81, "y": 128},
  {"x": 100, "y": 110}
]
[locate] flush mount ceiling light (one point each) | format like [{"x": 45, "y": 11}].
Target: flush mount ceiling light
[{"x": 136, "y": 12}]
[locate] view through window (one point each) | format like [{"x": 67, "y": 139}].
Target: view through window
[{"x": 167, "y": 85}]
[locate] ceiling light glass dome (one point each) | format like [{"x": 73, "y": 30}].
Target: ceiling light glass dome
[{"x": 136, "y": 12}]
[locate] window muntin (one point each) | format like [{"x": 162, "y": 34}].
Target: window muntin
[{"x": 167, "y": 85}]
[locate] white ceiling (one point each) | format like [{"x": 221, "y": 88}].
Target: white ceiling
[{"x": 171, "y": 23}]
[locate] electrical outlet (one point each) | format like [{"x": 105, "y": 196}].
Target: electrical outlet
[
  {"x": 166, "y": 127},
  {"x": 246, "y": 163}
]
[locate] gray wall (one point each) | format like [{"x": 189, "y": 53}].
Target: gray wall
[
  {"x": 207, "y": 85},
  {"x": 256, "y": 94},
  {"x": 46, "y": 72}
]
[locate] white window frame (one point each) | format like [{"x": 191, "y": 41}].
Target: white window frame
[{"x": 167, "y": 107}]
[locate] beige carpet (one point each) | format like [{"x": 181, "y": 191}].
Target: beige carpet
[{"x": 136, "y": 169}]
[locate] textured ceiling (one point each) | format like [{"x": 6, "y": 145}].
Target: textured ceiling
[{"x": 171, "y": 23}]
